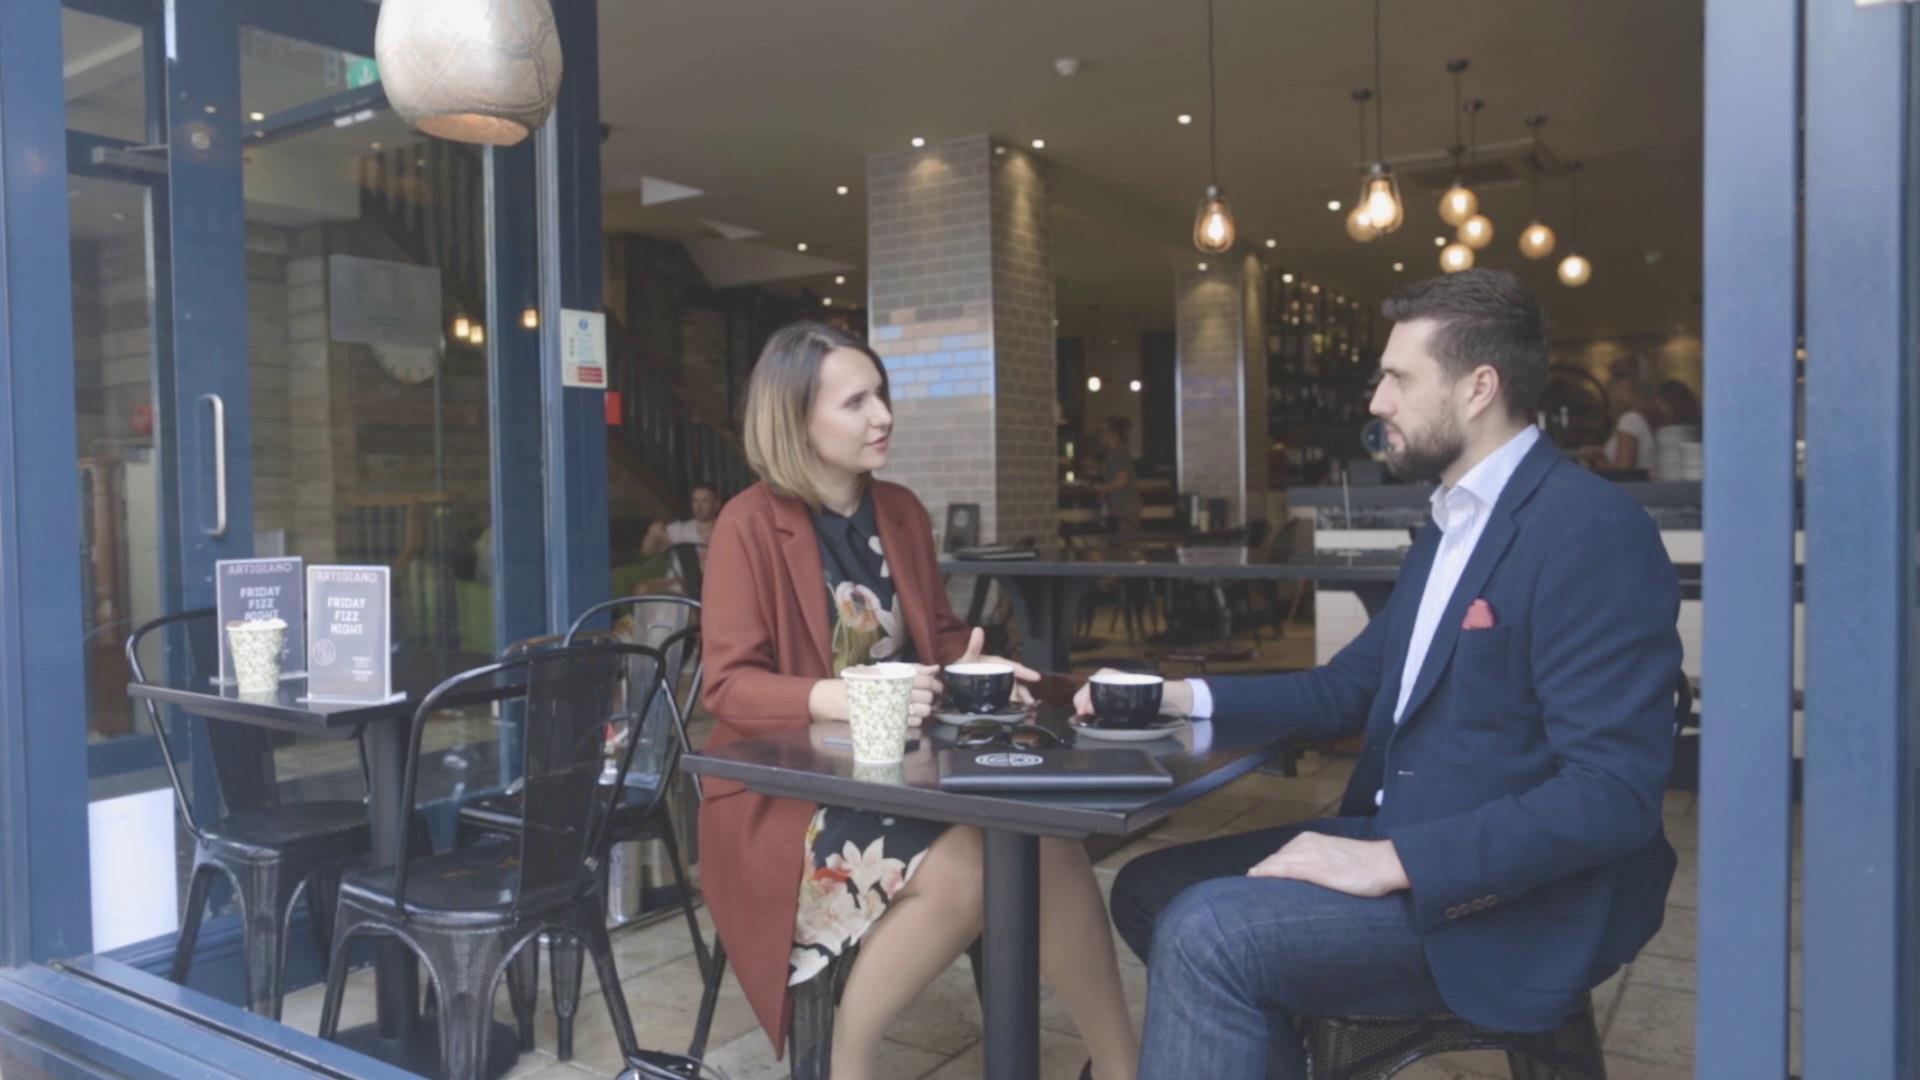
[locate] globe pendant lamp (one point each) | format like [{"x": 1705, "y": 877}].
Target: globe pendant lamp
[
  {"x": 1575, "y": 270},
  {"x": 1213, "y": 231},
  {"x": 1476, "y": 231},
  {"x": 1459, "y": 203},
  {"x": 475, "y": 71},
  {"x": 1380, "y": 193},
  {"x": 1359, "y": 223},
  {"x": 1536, "y": 240},
  {"x": 1456, "y": 257}
]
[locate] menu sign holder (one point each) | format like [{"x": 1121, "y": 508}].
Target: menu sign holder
[
  {"x": 349, "y": 633},
  {"x": 255, "y": 590}
]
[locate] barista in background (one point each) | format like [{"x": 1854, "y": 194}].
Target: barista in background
[
  {"x": 1118, "y": 484},
  {"x": 1630, "y": 447}
]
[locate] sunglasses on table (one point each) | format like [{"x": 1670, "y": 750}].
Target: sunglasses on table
[{"x": 984, "y": 734}]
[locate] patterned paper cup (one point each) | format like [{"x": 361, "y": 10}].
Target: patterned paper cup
[
  {"x": 879, "y": 697},
  {"x": 256, "y": 653}
]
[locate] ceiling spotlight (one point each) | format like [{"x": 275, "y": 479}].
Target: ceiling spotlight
[
  {"x": 801, "y": 246},
  {"x": 1440, "y": 241},
  {"x": 1333, "y": 205},
  {"x": 256, "y": 117},
  {"x": 918, "y": 142},
  {"x": 1185, "y": 118},
  {"x": 1000, "y": 151},
  {"x": 530, "y": 318},
  {"x": 1399, "y": 266},
  {"x": 375, "y": 144},
  {"x": 1272, "y": 243},
  {"x": 839, "y": 279},
  {"x": 1134, "y": 386},
  {"x": 842, "y": 190},
  {"x": 1202, "y": 267},
  {"x": 1039, "y": 144},
  {"x": 1093, "y": 383},
  {"x": 1286, "y": 279},
  {"x": 826, "y": 301}
]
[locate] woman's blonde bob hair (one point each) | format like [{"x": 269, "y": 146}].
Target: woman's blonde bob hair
[{"x": 779, "y": 399}]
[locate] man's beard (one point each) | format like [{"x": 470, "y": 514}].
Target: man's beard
[{"x": 1424, "y": 459}]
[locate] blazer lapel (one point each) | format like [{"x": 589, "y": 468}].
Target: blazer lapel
[
  {"x": 800, "y": 548},
  {"x": 1413, "y": 575},
  {"x": 1492, "y": 547}
]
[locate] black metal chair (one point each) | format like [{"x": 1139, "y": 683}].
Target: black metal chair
[
  {"x": 269, "y": 850},
  {"x": 469, "y": 912},
  {"x": 668, "y": 624},
  {"x": 1367, "y": 1048}
]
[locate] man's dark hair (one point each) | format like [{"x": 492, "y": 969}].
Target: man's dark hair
[
  {"x": 1485, "y": 317},
  {"x": 706, "y": 485}
]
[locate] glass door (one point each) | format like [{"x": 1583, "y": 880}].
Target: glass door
[{"x": 281, "y": 349}]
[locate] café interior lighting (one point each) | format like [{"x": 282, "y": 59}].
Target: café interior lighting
[
  {"x": 1093, "y": 384},
  {"x": 1039, "y": 144},
  {"x": 475, "y": 73},
  {"x": 1359, "y": 224},
  {"x": 918, "y": 142},
  {"x": 462, "y": 326},
  {"x": 801, "y": 246},
  {"x": 1575, "y": 270},
  {"x": 1185, "y": 119},
  {"x": 1334, "y": 205},
  {"x": 1380, "y": 193},
  {"x": 1536, "y": 240},
  {"x": 841, "y": 190},
  {"x": 839, "y": 279},
  {"x": 1456, "y": 257},
  {"x": 1476, "y": 232},
  {"x": 530, "y": 318},
  {"x": 1213, "y": 230},
  {"x": 1459, "y": 202},
  {"x": 478, "y": 336},
  {"x": 1134, "y": 386},
  {"x": 1272, "y": 243}
]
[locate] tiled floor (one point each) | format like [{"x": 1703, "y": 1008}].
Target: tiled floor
[{"x": 1645, "y": 1012}]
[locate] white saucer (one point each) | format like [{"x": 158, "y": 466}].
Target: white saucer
[
  {"x": 1014, "y": 714},
  {"x": 1160, "y": 729}
]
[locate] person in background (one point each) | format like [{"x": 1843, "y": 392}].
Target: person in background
[
  {"x": 1118, "y": 484},
  {"x": 1630, "y": 447},
  {"x": 818, "y": 568},
  {"x": 1675, "y": 403},
  {"x": 697, "y": 531}
]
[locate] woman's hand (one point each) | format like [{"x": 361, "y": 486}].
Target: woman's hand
[
  {"x": 827, "y": 701},
  {"x": 977, "y": 643}
]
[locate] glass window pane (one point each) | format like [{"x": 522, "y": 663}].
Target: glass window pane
[{"x": 106, "y": 75}]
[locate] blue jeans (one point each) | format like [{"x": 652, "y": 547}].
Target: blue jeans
[{"x": 1232, "y": 959}]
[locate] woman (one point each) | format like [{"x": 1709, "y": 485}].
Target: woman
[
  {"x": 817, "y": 568},
  {"x": 1630, "y": 447}
]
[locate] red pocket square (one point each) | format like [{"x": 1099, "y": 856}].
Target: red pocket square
[{"x": 1479, "y": 616}]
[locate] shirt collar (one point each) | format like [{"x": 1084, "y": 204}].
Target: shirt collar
[{"x": 1482, "y": 485}]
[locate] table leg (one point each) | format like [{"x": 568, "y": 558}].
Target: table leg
[
  {"x": 1012, "y": 953},
  {"x": 1044, "y": 633},
  {"x": 396, "y": 973}
]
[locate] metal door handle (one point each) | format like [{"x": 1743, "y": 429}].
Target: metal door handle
[{"x": 219, "y": 465}]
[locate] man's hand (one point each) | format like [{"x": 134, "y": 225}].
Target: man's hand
[
  {"x": 1022, "y": 674},
  {"x": 1354, "y": 867},
  {"x": 1176, "y": 697}
]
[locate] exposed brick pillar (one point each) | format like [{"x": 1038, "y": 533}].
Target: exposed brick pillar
[
  {"x": 960, "y": 306},
  {"x": 1221, "y": 373}
]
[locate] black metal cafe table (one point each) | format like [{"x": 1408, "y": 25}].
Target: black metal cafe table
[
  {"x": 1047, "y": 589},
  {"x": 814, "y": 763},
  {"x": 396, "y": 1036}
]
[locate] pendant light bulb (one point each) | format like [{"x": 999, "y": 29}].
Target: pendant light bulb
[
  {"x": 475, "y": 73},
  {"x": 1360, "y": 226},
  {"x": 1456, "y": 257},
  {"x": 1213, "y": 229},
  {"x": 1458, "y": 204},
  {"x": 1476, "y": 232},
  {"x": 1575, "y": 271},
  {"x": 1380, "y": 198},
  {"x": 1536, "y": 241}
]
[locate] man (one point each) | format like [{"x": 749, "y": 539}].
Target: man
[
  {"x": 1119, "y": 493},
  {"x": 698, "y": 531},
  {"x": 1499, "y": 849}
]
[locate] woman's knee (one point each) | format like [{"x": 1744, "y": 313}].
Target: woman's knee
[{"x": 951, "y": 869}]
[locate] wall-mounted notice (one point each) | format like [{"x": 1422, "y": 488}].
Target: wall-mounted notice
[
  {"x": 348, "y": 631},
  {"x": 255, "y": 590},
  {"x": 583, "y": 349},
  {"x": 378, "y": 302}
]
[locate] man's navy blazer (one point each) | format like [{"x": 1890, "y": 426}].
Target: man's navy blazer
[{"x": 1523, "y": 787}]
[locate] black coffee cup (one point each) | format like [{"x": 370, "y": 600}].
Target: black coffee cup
[
  {"x": 1124, "y": 699},
  {"x": 978, "y": 687}
]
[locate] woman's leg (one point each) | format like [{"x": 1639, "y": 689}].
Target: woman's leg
[
  {"x": 1077, "y": 960},
  {"x": 930, "y": 922}
]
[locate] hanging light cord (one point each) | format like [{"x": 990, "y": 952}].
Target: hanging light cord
[
  {"x": 1573, "y": 231},
  {"x": 1360, "y": 111},
  {"x": 1213, "y": 109},
  {"x": 1473, "y": 140},
  {"x": 1454, "y": 150},
  {"x": 1379, "y": 92}
]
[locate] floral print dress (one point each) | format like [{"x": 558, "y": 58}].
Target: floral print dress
[{"x": 857, "y": 861}]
